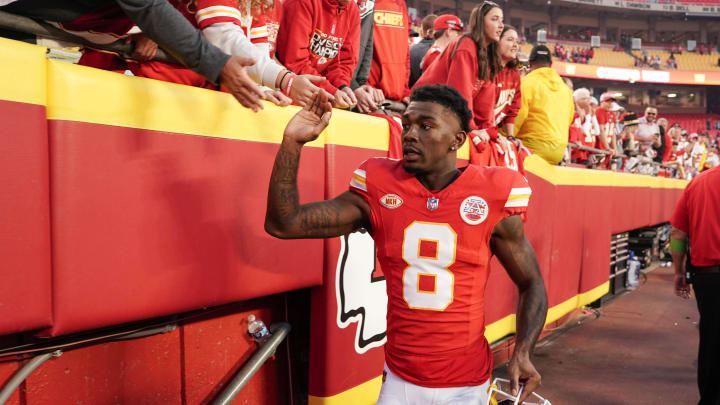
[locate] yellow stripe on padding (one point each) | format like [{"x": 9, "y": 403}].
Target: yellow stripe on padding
[
  {"x": 363, "y": 394},
  {"x": 23, "y": 72},
  {"x": 559, "y": 175},
  {"x": 506, "y": 326},
  {"x": 79, "y": 93}
]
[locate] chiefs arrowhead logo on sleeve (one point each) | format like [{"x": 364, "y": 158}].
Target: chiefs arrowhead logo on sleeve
[{"x": 360, "y": 291}]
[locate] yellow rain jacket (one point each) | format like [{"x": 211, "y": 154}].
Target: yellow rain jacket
[{"x": 547, "y": 109}]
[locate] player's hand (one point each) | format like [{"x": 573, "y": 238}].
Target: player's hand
[
  {"x": 682, "y": 289},
  {"x": 309, "y": 122},
  {"x": 144, "y": 48},
  {"x": 365, "y": 100},
  {"x": 236, "y": 80},
  {"x": 522, "y": 371},
  {"x": 278, "y": 98},
  {"x": 342, "y": 100}
]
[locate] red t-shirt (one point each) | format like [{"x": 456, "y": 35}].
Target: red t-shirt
[
  {"x": 434, "y": 250},
  {"x": 697, "y": 213},
  {"x": 322, "y": 38},
  {"x": 577, "y": 135},
  {"x": 606, "y": 119},
  {"x": 390, "y": 69},
  {"x": 461, "y": 72}
]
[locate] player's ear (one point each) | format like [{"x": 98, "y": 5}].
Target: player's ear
[{"x": 460, "y": 138}]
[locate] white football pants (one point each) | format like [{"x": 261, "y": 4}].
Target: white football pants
[{"x": 396, "y": 391}]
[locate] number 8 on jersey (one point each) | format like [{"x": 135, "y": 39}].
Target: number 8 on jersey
[{"x": 428, "y": 249}]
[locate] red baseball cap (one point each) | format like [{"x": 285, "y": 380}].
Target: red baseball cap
[
  {"x": 607, "y": 96},
  {"x": 448, "y": 22}
]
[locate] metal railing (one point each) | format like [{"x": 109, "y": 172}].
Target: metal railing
[
  {"x": 279, "y": 331},
  {"x": 622, "y": 162}
]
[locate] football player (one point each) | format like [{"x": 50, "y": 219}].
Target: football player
[{"x": 435, "y": 227}]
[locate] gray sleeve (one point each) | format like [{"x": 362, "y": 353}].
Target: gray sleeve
[
  {"x": 362, "y": 71},
  {"x": 174, "y": 33}
]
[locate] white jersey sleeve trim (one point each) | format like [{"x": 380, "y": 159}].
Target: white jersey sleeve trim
[
  {"x": 358, "y": 180},
  {"x": 520, "y": 191},
  {"x": 231, "y": 39},
  {"x": 517, "y": 203}
]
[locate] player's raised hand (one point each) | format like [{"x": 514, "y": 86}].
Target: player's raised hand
[
  {"x": 522, "y": 371},
  {"x": 309, "y": 122}
]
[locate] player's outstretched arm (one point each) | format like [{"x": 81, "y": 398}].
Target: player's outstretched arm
[
  {"x": 514, "y": 251},
  {"x": 285, "y": 218}
]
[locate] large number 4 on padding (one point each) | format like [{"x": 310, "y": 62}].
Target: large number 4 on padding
[{"x": 428, "y": 249}]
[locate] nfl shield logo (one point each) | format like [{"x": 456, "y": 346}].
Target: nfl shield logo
[{"x": 432, "y": 203}]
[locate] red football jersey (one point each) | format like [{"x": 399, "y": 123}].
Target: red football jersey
[
  {"x": 507, "y": 96},
  {"x": 211, "y": 12},
  {"x": 434, "y": 249}
]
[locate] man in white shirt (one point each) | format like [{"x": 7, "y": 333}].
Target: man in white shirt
[{"x": 648, "y": 131}]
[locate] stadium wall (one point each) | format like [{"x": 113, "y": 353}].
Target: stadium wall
[{"x": 132, "y": 198}]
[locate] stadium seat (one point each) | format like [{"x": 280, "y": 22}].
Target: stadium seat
[
  {"x": 692, "y": 122},
  {"x": 608, "y": 57},
  {"x": 694, "y": 61}
]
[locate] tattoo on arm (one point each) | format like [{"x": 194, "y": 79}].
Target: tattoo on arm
[
  {"x": 286, "y": 218},
  {"x": 518, "y": 257}
]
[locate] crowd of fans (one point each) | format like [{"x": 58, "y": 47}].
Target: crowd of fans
[
  {"x": 574, "y": 55},
  {"x": 654, "y": 62},
  {"x": 606, "y": 135},
  {"x": 363, "y": 54}
]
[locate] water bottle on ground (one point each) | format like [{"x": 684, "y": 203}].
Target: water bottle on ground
[
  {"x": 633, "y": 272},
  {"x": 258, "y": 330}
]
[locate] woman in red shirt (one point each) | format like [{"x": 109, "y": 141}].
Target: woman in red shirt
[
  {"x": 507, "y": 103},
  {"x": 470, "y": 64},
  {"x": 507, "y": 82}
]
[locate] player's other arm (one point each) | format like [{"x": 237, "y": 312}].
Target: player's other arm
[
  {"x": 514, "y": 251},
  {"x": 285, "y": 218}
]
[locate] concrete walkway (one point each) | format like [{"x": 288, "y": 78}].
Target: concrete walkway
[{"x": 642, "y": 350}]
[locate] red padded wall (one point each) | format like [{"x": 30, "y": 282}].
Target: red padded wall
[
  {"x": 25, "y": 298},
  {"x": 149, "y": 223}
]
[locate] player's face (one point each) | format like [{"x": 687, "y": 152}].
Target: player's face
[{"x": 430, "y": 130}]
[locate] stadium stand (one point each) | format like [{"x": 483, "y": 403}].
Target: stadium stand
[
  {"x": 686, "y": 61},
  {"x": 608, "y": 57},
  {"x": 693, "y": 61},
  {"x": 693, "y": 122}
]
